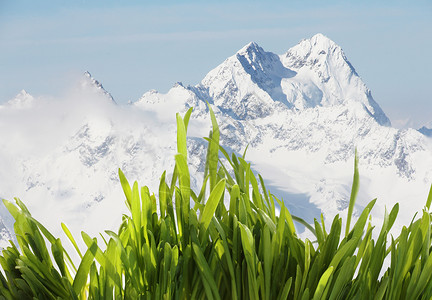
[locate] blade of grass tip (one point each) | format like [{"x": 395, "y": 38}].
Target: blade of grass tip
[
  {"x": 146, "y": 210},
  {"x": 267, "y": 220},
  {"x": 126, "y": 187},
  {"x": 429, "y": 198},
  {"x": 206, "y": 166},
  {"x": 382, "y": 289},
  {"x": 319, "y": 233},
  {"x": 13, "y": 210},
  {"x": 304, "y": 223},
  {"x": 213, "y": 150},
  {"x": 42, "y": 228},
  {"x": 201, "y": 195},
  {"x": 163, "y": 194},
  {"x": 233, "y": 205},
  {"x": 354, "y": 191},
  {"x": 306, "y": 295},
  {"x": 244, "y": 152},
  {"x": 344, "y": 276},
  {"x": 426, "y": 232},
  {"x": 103, "y": 239},
  {"x": 22, "y": 206},
  {"x": 225, "y": 153},
  {"x": 173, "y": 181},
  {"x": 358, "y": 227},
  {"x": 246, "y": 185},
  {"x": 229, "y": 259},
  {"x": 181, "y": 136},
  {"x": 307, "y": 262},
  {"x": 229, "y": 178},
  {"x": 84, "y": 269},
  {"x": 178, "y": 211},
  {"x": 247, "y": 241},
  {"x": 71, "y": 239},
  {"x": 425, "y": 276},
  {"x": 98, "y": 254},
  {"x": 286, "y": 289},
  {"x": 345, "y": 251},
  {"x": 184, "y": 178},
  {"x": 256, "y": 196},
  {"x": 187, "y": 117},
  {"x": 57, "y": 252},
  {"x": 211, "y": 205},
  {"x": 297, "y": 283},
  {"x": 136, "y": 210},
  {"x": 266, "y": 197},
  {"x": 392, "y": 217},
  {"x": 206, "y": 273},
  {"x": 285, "y": 214},
  {"x": 323, "y": 226},
  {"x": 324, "y": 280}
]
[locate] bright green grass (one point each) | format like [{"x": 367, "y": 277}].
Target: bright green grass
[{"x": 208, "y": 251}]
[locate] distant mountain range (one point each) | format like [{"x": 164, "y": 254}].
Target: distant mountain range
[{"x": 302, "y": 114}]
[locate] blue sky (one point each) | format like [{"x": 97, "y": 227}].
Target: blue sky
[{"x": 135, "y": 46}]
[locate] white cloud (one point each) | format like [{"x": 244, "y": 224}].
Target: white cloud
[{"x": 61, "y": 156}]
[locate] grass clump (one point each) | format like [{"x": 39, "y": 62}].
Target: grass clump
[{"x": 191, "y": 246}]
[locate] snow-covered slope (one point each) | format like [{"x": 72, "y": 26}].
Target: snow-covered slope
[{"x": 302, "y": 114}]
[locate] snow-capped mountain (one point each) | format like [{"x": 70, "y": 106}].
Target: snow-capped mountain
[
  {"x": 88, "y": 81},
  {"x": 21, "y": 101},
  {"x": 305, "y": 112},
  {"x": 302, "y": 113},
  {"x": 308, "y": 99}
]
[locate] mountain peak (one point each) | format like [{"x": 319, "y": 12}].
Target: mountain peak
[
  {"x": 250, "y": 45},
  {"x": 333, "y": 73},
  {"x": 250, "y": 49},
  {"x": 317, "y": 48},
  {"x": 23, "y": 93},
  {"x": 320, "y": 39},
  {"x": 21, "y": 100},
  {"x": 89, "y": 81}
]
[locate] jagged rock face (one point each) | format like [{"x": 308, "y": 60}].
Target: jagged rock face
[{"x": 302, "y": 114}]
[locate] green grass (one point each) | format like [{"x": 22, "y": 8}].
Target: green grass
[{"x": 191, "y": 246}]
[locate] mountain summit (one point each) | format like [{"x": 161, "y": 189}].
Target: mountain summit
[
  {"x": 88, "y": 82},
  {"x": 331, "y": 77},
  {"x": 22, "y": 100},
  {"x": 254, "y": 83}
]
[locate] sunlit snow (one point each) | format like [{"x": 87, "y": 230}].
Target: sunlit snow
[{"x": 302, "y": 114}]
